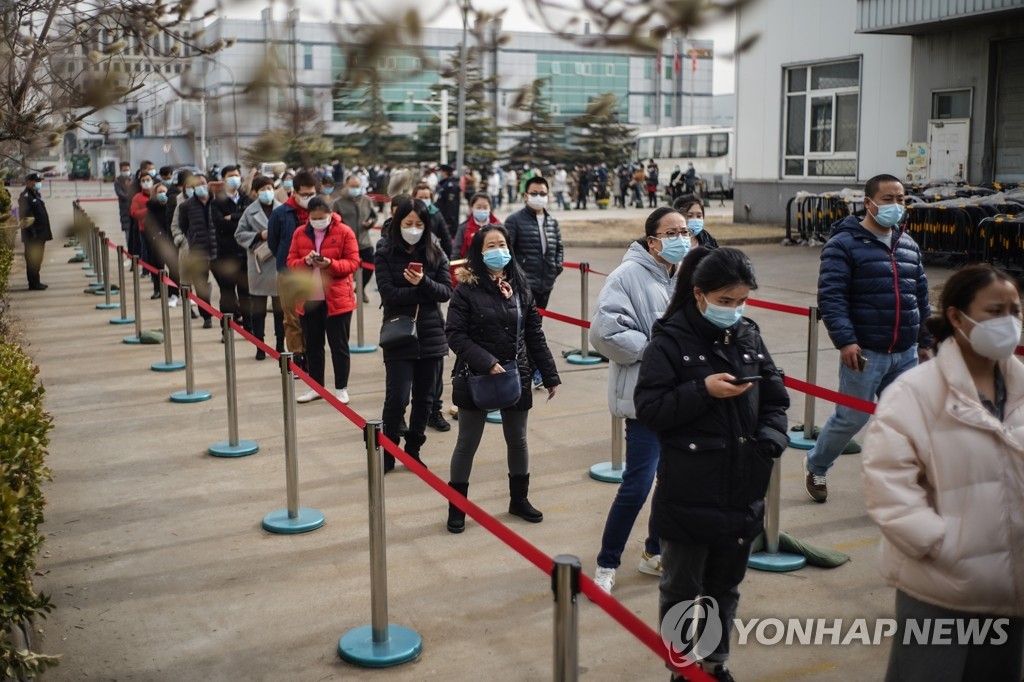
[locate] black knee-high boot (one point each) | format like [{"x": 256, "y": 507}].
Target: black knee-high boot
[
  {"x": 519, "y": 505},
  {"x": 457, "y": 517}
]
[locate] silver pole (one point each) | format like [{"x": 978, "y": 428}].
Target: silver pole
[
  {"x": 359, "y": 304},
  {"x": 565, "y": 583},
  {"x": 186, "y": 310},
  {"x": 120, "y": 281},
  {"x": 378, "y": 542},
  {"x": 460, "y": 117},
  {"x": 165, "y": 313},
  {"x": 229, "y": 372},
  {"x": 291, "y": 460},
  {"x": 87, "y": 245},
  {"x": 584, "y": 297},
  {"x": 106, "y": 268},
  {"x": 617, "y": 426},
  {"x": 136, "y": 285},
  {"x": 771, "y": 512},
  {"x": 97, "y": 264},
  {"x": 812, "y": 369}
]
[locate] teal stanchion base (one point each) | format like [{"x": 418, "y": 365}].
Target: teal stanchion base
[
  {"x": 603, "y": 471},
  {"x": 131, "y": 340},
  {"x": 99, "y": 292},
  {"x": 87, "y": 266},
  {"x": 369, "y": 348},
  {"x": 357, "y": 647},
  {"x": 123, "y": 320},
  {"x": 494, "y": 417},
  {"x": 776, "y": 563},
  {"x": 93, "y": 283},
  {"x": 107, "y": 306},
  {"x": 800, "y": 443},
  {"x": 223, "y": 448},
  {"x": 196, "y": 396},
  {"x": 579, "y": 359},
  {"x": 307, "y": 520},
  {"x": 172, "y": 366}
]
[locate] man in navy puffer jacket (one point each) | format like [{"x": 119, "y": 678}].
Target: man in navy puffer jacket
[{"x": 873, "y": 298}]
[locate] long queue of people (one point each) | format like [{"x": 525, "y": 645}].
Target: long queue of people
[{"x": 703, "y": 402}]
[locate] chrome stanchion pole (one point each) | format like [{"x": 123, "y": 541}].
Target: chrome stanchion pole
[
  {"x": 583, "y": 357},
  {"x": 86, "y": 231},
  {"x": 136, "y": 302},
  {"x": 565, "y": 583},
  {"x": 169, "y": 364},
  {"x": 191, "y": 394},
  {"x": 105, "y": 259},
  {"x": 771, "y": 559},
  {"x": 611, "y": 472},
  {"x": 123, "y": 304},
  {"x": 294, "y": 519},
  {"x": 806, "y": 442},
  {"x": 360, "y": 346},
  {"x": 232, "y": 447},
  {"x": 380, "y": 644},
  {"x": 94, "y": 238}
]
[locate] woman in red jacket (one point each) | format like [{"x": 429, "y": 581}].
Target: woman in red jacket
[{"x": 325, "y": 251}]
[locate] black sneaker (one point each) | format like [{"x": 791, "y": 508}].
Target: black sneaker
[
  {"x": 437, "y": 422},
  {"x": 207, "y": 323},
  {"x": 721, "y": 674}
]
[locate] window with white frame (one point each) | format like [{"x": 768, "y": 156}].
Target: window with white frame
[{"x": 822, "y": 120}]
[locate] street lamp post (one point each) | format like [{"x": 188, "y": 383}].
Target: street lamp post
[
  {"x": 442, "y": 114},
  {"x": 460, "y": 151}
]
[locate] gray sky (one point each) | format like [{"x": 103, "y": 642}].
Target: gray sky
[{"x": 444, "y": 13}]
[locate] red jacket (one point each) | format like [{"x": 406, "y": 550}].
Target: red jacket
[
  {"x": 138, "y": 209},
  {"x": 341, "y": 247}
]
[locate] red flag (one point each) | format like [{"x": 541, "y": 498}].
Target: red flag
[
  {"x": 677, "y": 65},
  {"x": 693, "y": 67}
]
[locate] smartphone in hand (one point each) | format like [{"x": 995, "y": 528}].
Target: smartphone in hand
[
  {"x": 416, "y": 267},
  {"x": 739, "y": 381}
]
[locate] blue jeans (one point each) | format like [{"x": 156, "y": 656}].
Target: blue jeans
[
  {"x": 881, "y": 370},
  {"x": 642, "y": 454}
]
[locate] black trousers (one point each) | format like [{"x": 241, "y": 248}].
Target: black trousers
[
  {"x": 34, "y": 249},
  {"x": 257, "y": 316},
  {"x": 366, "y": 256},
  {"x": 402, "y": 379},
  {"x": 232, "y": 278},
  {"x": 317, "y": 324},
  {"x": 541, "y": 298}
]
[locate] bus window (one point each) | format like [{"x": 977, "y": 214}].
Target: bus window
[
  {"x": 677, "y": 146},
  {"x": 643, "y": 148},
  {"x": 719, "y": 144},
  {"x": 702, "y": 146},
  {"x": 662, "y": 147}
]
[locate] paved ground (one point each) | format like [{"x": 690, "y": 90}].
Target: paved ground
[{"x": 159, "y": 569}]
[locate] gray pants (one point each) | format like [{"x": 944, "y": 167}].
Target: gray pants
[
  {"x": 955, "y": 662},
  {"x": 471, "y": 430}
]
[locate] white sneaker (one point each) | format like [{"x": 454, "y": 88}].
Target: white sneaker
[
  {"x": 172, "y": 302},
  {"x": 308, "y": 397},
  {"x": 650, "y": 564},
  {"x": 342, "y": 394},
  {"x": 605, "y": 578}
]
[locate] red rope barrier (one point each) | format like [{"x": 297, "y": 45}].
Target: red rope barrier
[
  {"x": 564, "y": 318},
  {"x": 93, "y": 201},
  {"x": 367, "y": 266},
  {"x": 830, "y": 395},
  {"x": 779, "y": 307}
]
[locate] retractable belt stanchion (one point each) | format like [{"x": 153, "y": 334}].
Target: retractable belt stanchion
[
  {"x": 169, "y": 364},
  {"x": 136, "y": 302},
  {"x": 294, "y": 519},
  {"x": 232, "y": 447},
  {"x": 565, "y": 583},
  {"x": 360, "y": 346},
  {"x": 611, "y": 472},
  {"x": 380, "y": 644},
  {"x": 105, "y": 259},
  {"x": 191, "y": 394},
  {"x": 806, "y": 442},
  {"x": 583, "y": 357},
  {"x": 124, "y": 319},
  {"x": 94, "y": 238},
  {"x": 771, "y": 559},
  {"x": 85, "y": 231}
]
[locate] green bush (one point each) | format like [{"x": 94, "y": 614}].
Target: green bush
[{"x": 24, "y": 435}]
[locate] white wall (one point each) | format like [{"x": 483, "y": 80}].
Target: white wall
[{"x": 794, "y": 31}]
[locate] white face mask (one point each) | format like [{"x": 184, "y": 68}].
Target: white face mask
[
  {"x": 412, "y": 235},
  {"x": 538, "y": 203},
  {"x": 303, "y": 201},
  {"x": 995, "y": 339},
  {"x": 320, "y": 224}
]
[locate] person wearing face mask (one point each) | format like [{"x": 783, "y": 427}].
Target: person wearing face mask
[
  {"x": 480, "y": 214},
  {"x": 324, "y": 252},
  {"x": 137, "y": 211},
  {"x": 281, "y": 226},
  {"x": 438, "y": 225},
  {"x": 288, "y": 186},
  {"x": 873, "y": 298},
  {"x": 718, "y": 437},
  {"x": 493, "y": 323},
  {"x": 229, "y": 268},
  {"x": 357, "y": 211},
  {"x": 165, "y": 176},
  {"x": 156, "y": 230},
  {"x": 35, "y": 235},
  {"x": 692, "y": 209},
  {"x": 195, "y": 223},
  {"x": 634, "y": 296},
  {"x": 185, "y": 192},
  {"x": 123, "y": 190},
  {"x": 942, "y": 479},
  {"x": 327, "y": 187},
  {"x": 412, "y": 370},
  {"x": 261, "y": 274},
  {"x": 448, "y": 196}
]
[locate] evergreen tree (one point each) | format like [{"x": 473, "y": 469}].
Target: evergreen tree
[
  {"x": 598, "y": 135},
  {"x": 537, "y": 143}
]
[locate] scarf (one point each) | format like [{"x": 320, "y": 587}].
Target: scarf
[{"x": 504, "y": 288}]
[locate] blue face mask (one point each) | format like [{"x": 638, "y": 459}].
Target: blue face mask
[
  {"x": 189, "y": 191},
  {"x": 355, "y": 191},
  {"x": 481, "y": 217},
  {"x": 889, "y": 215},
  {"x": 202, "y": 192},
  {"x": 266, "y": 196},
  {"x": 39, "y": 186},
  {"x": 162, "y": 197},
  {"x": 696, "y": 225},
  {"x": 288, "y": 184},
  {"x": 328, "y": 190},
  {"x": 233, "y": 182},
  {"x": 497, "y": 259},
  {"x": 674, "y": 249},
  {"x": 722, "y": 316},
  {"x": 152, "y": 172}
]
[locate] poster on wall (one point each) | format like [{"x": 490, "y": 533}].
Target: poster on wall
[{"x": 917, "y": 163}]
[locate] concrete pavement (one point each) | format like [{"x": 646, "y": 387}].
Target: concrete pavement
[{"x": 159, "y": 569}]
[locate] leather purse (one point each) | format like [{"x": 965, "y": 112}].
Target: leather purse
[
  {"x": 398, "y": 331},
  {"x": 498, "y": 391}
]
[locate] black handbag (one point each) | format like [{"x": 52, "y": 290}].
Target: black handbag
[
  {"x": 498, "y": 391},
  {"x": 398, "y": 331}
]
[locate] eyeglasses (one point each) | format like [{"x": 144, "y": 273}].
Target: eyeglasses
[
  {"x": 537, "y": 194},
  {"x": 306, "y": 196},
  {"x": 672, "y": 234}
]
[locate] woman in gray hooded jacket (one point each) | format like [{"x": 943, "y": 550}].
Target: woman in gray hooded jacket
[{"x": 634, "y": 297}]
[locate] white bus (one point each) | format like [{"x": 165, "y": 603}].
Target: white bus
[{"x": 711, "y": 150}]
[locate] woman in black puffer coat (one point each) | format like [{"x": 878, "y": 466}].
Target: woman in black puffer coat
[
  {"x": 482, "y": 326},
  {"x": 718, "y": 440},
  {"x": 414, "y": 367}
]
